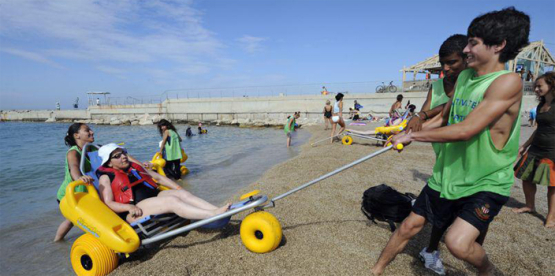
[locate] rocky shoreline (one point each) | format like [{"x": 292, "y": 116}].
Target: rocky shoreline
[{"x": 147, "y": 119}]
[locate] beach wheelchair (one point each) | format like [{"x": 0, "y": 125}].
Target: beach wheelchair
[
  {"x": 108, "y": 238},
  {"x": 381, "y": 134}
]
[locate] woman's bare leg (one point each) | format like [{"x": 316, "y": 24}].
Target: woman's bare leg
[
  {"x": 550, "y": 220},
  {"x": 333, "y": 126},
  {"x": 171, "y": 204},
  {"x": 189, "y": 198},
  {"x": 342, "y": 124},
  {"x": 63, "y": 229},
  {"x": 529, "y": 190}
]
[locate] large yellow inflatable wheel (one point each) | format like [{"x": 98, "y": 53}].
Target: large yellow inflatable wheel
[
  {"x": 184, "y": 170},
  {"x": 347, "y": 140},
  {"x": 90, "y": 257},
  {"x": 261, "y": 232}
]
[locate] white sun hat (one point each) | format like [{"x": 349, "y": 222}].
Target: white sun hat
[{"x": 105, "y": 151}]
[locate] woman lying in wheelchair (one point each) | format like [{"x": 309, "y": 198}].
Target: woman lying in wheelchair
[{"x": 131, "y": 191}]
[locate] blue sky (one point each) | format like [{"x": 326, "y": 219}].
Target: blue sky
[{"x": 55, "y": 51}]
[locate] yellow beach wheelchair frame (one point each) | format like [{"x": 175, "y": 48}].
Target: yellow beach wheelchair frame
[{"x": 107, "y": 235}]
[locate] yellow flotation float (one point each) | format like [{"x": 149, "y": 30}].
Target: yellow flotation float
[{"x": 158, "y": 163}]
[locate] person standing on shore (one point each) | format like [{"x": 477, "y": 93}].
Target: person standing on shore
[
  {"x": 76, "y": 137},
  {"x": 289, "y": 127},
  {"x": 537, "y": 164},
  {"x": 337, "y": 116},
  {"x": 171, "y": 147},
  {"x": 452, "y": 60},
  {"x": 479, "y": 131},
  {"x": 327, "y": 114}
]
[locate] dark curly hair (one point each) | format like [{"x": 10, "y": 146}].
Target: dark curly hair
[
  {"x": 453, "y": 44},
  {"x": 339, "y": 96},
  {"x": 508, "y": 25},
  {"x": 167, "y": 124},
  {"x": 549, "y": 78},
  {"x": 69, "y": 139}
]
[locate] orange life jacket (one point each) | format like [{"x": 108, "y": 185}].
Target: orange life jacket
[{"x": 122, "y": 187}]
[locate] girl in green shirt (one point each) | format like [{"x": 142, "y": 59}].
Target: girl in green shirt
[
  {"x": 171, "y": 147},
  {"x": 76, "y": 137}
]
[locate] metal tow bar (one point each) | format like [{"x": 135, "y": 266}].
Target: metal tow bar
[{"x": 273, "y": 200}]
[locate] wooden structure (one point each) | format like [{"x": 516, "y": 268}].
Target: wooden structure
[{"x": 535, "y": 58}]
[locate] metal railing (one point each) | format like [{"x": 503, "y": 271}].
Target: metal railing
[{"x": 253, "y": 91}]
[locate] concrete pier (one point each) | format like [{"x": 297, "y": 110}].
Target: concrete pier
[{"x": 239, "y": 110}]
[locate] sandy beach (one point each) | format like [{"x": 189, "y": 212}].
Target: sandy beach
[{"x": 325, "y": 232}]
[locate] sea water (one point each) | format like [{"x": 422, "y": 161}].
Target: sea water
[{"x": 32, "y": 157}]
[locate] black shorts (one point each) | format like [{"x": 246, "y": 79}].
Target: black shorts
[
  {"x": 479, "y": 209},
  {"x": 436, "y": 210}
]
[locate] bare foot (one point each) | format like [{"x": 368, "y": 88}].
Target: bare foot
[
  {"x": 376, "y": 271},
  {"x": 550, "y": 223},
  {"x": 523, "y": 210},
  {"x": 223, "y": 209}
]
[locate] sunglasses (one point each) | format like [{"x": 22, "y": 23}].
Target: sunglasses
[{"x": 118, "y": 155}]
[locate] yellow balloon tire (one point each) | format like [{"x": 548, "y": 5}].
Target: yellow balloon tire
[
  {"x": 249, "y": 194},
  {"x": 261, "y": 232},
  {"x": 347, "y": 140},
  {"x": 184, "y": 156},
  {"x": 90, "y": 257},
  {"x": 184, "y": 170}
]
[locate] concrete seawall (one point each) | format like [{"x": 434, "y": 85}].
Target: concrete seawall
[{"x": 259, "y": 110}]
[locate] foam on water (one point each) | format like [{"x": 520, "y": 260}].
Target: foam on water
[{"x": 33, "y": 155}]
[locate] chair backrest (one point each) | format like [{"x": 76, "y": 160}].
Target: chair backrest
[{"x": 90, "y": 151}]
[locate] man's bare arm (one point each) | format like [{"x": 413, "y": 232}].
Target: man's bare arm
[{"x": 503, "y": 93}]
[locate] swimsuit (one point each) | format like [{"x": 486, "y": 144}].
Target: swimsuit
[{"x": 327, "y": 113}]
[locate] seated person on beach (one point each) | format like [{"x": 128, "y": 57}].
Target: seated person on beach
[
  {"x": 356, "y": 115},
  {"x": 130, "y": 190},
  {"x": 351, "y": 113},
  {"x": 411, "y": 109}
]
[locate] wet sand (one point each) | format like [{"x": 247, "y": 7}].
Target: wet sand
[{"x": 325, "y": 232}]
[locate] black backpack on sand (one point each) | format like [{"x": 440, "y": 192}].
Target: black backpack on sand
[{"x": 386, "y": 204}]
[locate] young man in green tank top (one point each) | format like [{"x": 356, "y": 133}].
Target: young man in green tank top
[
  {"x": 479, "y": 129},
  {"x": 452, "y": 60}
]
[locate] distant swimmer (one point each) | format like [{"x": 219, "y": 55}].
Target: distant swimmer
[
  {"x": 200, "y": 130},
  {"x": 189, "y": 132}
]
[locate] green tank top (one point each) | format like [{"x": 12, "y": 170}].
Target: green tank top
[
  {"x": 68, "y": 178},
  {"x": 173, "y": 149},
  {"x": 286, "y": 128},
  {"x": 438, "y": 98},
  {"x": 467, "y": 167}
]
